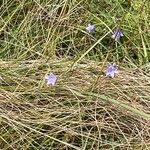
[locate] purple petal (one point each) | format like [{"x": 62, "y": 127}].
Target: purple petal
[
  {"x": 111, "y": 71},
  {"x": 90, "y": 28},
  {"x": 117, "y": 34},
  {"x": 111, "y": 74},
  {"x": 51, "y": 79}
]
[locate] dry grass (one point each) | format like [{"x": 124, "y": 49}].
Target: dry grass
[{"x": 84, "y": 110}]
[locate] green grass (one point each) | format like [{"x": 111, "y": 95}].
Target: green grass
[{"x": 85, "y": 110}]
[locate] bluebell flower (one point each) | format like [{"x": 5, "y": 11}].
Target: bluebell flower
[
  {"x": 117, "y": 34},
  {"x": 111, "y": 71},
  {"x": 90, "y": 28},
  {"x": 51, "y": 79}
]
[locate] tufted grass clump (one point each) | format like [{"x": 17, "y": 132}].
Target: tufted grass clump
[{"x": 83, "y": 109}]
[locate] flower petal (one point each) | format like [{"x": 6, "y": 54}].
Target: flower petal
[{"x": 51, "y": 79}]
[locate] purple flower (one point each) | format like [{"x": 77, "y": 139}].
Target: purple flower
[
  {"x": 51, "y": 79},
  {"x": 90, "y": 28},
  {"x": 117, "y": 34},
  {"x": 111, "y": 71}
]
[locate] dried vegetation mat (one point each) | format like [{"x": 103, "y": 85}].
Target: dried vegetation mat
[{"x": 85, "y": 110}]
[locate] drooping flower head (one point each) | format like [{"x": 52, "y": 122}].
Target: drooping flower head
[
  {"x": 117, "y": 34},
  {"x": 90, "y": 28},
  {"x": 111, "y": 71},
  {"x": 51, "y": 79}
]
